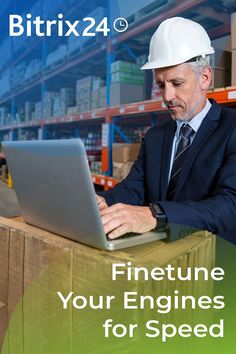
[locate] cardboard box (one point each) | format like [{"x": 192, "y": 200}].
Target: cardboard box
[
  {"x": 220, "y": 78},
  {"x": 129, "y": 78},
  {"x": 38, "y": 264},
  {"x": 221, "y": 59},
  {"x": 121, "y": 170},
  {"x": 125, "y": 152},
  {"x": 120, "y": 65},
  {"x": 121, "y": 93},
  {"x": 233, "y": 31},
  {"x": 233, "y": 73}
]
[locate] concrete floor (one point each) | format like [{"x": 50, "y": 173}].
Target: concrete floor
[{"x": 9, "y": 206}]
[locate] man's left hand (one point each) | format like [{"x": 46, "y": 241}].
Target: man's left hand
[{"x": 120, "y": 219}]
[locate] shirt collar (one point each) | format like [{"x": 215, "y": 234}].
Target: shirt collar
[{"x": 196, "y": 121}]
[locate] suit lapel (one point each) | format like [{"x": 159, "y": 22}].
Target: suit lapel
[
  {"x": 207, "y": 127},
  {"x": 166, "y": 156}
]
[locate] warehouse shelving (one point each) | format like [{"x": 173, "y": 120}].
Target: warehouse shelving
[{"x": 126, "y": 45}]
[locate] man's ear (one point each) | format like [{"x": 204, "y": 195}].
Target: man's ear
[{"x": 206, "y": 78}]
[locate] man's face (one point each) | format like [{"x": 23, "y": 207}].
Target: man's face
[{"x": 182, "y": 91}]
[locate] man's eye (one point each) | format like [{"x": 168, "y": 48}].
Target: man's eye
[
  {"x": 177, "y": 83},
  {"x": 160, "y": 85}
]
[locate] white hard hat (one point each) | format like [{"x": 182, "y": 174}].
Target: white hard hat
[{"x": 176, "y": 41}]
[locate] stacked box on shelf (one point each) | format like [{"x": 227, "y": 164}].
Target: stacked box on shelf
[
  {"x": 48, "y": 99},
  {"x": 29, "y": 108},
  {"x": 73, "y": 110},
  {"x": 95, "y": 99},
  {"x": 102, "y": 97},
  {"x": 99, "y": 98},
  {"x": 37, "y": 111},
  {"x": 20, "y": 114},
  {"x": 125, "y": 72},
  {"x": 56, "y": 107},
  {"x": 67, "y": 98},
  {"x": 148, "y": 77},
  {"x": 233, "y": 47},
  {"x": 122, "y": 93},
  {"x": 127, "y": 83},
  {"x": 8, "y": 119},
  {"x": 3, "y": 115},
  {"x": 97, "y": 93},
  {"x": 84, "y": 93},
  {"x": 123, "y": 156},
  {"x": 221, "y": 64}
]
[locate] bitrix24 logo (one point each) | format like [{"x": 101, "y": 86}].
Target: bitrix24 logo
[{"x": 86, "y": 27}]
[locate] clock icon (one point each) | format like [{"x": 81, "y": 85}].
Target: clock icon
[{"x": 120, "y": 24}]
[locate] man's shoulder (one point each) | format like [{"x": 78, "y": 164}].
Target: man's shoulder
[
  {"x": 228, "y": 114},
  {"x": 160, "y": 127},
  {"x": 224, "y": 114}
]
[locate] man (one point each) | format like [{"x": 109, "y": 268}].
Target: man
[{"x": 185, "y": 175}]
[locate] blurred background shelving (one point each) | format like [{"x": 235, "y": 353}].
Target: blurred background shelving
[{"x": 92, "y": 87}]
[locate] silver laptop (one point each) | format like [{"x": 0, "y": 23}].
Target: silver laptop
[{"x": 55, "y": 191}]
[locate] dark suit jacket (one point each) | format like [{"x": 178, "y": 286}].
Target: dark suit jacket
[{"x": 205, "y": 197}]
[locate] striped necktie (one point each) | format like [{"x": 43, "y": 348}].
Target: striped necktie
[{"x": 184, "y": 143}]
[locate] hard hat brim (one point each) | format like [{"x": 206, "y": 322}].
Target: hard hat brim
[{"x": 158, "y": 64}]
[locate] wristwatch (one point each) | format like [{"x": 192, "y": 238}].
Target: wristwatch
[{"x": 160, "y": 216}]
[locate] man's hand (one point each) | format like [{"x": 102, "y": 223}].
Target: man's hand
[
  {"x": 121, "y": 218},
  {"x": 102, "y": 204}
]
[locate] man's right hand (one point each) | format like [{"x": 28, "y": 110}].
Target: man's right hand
[{"x": 102, "y": 204}]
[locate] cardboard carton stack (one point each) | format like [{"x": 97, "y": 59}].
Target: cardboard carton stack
[
  {"x": 233, "y": 46},
  {"x": 84, "y": 93},
  {"x": 38, "y": 264},
  {"x": 221, "y": 64},
  {"x": 29, "y": 108},
  {"x": 123, "y": 156},
  {"x": 98, "y": 98},
  {"x": 48, "y": 100},
  {"x": 67, "y": 99},
  {"x": 73, "y": 110},
  {"x": 89, "y": 93},
  {"x": 3, "y": 115},
  {"x": 37, "y": 111},
  {"x": 127, "y": 83}
]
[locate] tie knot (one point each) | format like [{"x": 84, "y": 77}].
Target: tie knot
[{"x": 186, "y": 131}]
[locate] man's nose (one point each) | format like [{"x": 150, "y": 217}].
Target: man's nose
[{"x": 168, "y": 93}]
